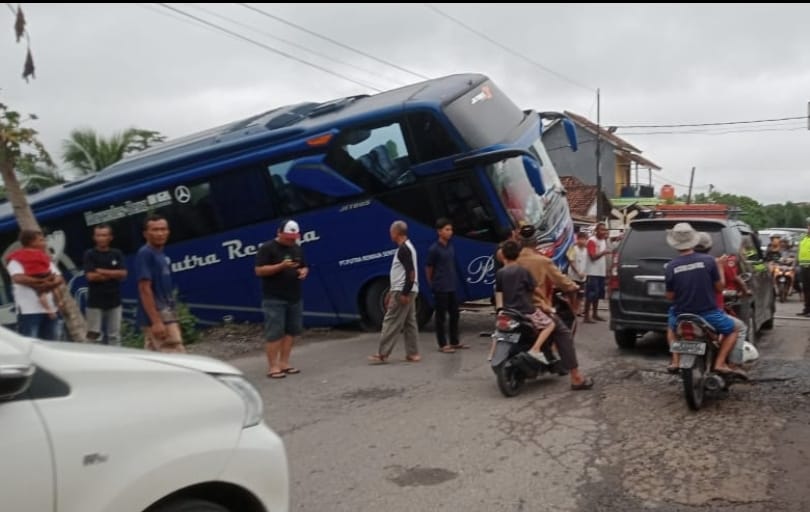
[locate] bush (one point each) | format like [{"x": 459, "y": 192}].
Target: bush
[{"x": 132, "y": 336}]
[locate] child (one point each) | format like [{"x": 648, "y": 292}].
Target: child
[
  {"x": 37, "y": 263},
  {"x": 514, "y": 287}
]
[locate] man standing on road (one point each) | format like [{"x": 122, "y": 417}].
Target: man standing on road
[
  {"x": 104, "y": 269},
  {"x": 281, "y": 266},
  {"x": 440, "y": 270},
  {"x": 804, "y": 269},
  {"x": 597, "y": 270},
  {"x": 157, "y": 312},
  {"x": 400, "y": 304},
  {"x": 544, "y": 271},
  {"x": 33, "y": 319}
]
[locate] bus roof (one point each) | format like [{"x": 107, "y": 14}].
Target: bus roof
[{"x": 280, "y": 124}]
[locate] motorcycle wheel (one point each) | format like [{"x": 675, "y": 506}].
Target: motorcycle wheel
[
  {"x": 510, "y": 379},
  {"x": 693, "y": 383},
  {"x": 783, "y": 292}
]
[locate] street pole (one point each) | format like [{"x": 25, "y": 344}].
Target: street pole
[
  {"x": 598, "y": 157},
  {"x": 691, "y": 180}
]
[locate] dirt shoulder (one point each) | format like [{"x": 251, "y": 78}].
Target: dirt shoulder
[{"x": 230, "y": 341}]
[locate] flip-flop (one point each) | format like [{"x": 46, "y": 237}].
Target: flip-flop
[
  {"x": 460, "y": 346},
  {"x": 291, "y": 370},
  {"x": 276, "y": 375},
  {"x": 377, "y": 359},
  {"x": 447, "y": 350},
  {"x": 672, "y": 369},
  {"x": 585, "y": 384},
  {"x": 728, "y": 372}
]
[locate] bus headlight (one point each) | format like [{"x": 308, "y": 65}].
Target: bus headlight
[{"x": 254, "y": 407}]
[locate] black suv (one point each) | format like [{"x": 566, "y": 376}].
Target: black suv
[{"x": 636, "y": 281}]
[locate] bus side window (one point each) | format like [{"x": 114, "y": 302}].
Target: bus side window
[
  {"x": 429, "y": 138},
  {"x": 463, "y": 205},
  {"x": 288, "y": 197},
  {"x": 375, "y": 159}
]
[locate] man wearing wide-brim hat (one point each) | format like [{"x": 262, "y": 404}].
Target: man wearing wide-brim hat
[{"x": 691, "y": 282}]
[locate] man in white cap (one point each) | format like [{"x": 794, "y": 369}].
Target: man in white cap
[
  {"x": 281, "y": 266},
  {"x": 692, "y": 279}
]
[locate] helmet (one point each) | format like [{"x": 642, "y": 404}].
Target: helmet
[{"x": 750, "y": 352}]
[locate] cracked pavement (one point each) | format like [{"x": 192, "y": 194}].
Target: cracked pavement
[{"x": 438, "y": 435}]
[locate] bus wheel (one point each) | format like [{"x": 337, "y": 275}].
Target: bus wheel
[{"x": 374, "y": 307}]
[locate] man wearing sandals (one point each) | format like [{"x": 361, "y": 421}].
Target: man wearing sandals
[
  {"x": 691, "y": 282},
  {"x": 281, "y": 266},
  {"x": 440, "y": 270},
  {"x": 400, "y": 304}
]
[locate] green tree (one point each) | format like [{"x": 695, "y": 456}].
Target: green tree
[{"x": 88, "y": 152}]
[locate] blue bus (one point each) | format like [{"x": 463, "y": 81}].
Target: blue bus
[{"x": 454, "y": 147}]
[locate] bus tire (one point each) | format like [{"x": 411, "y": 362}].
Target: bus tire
[{"x": 374, "y": 307}]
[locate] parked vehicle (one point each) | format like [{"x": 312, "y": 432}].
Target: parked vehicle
[
  {"x": 636, "y": 282},
  {"x": 514, "y": 335},
  {"x": 93, "y": 428}
]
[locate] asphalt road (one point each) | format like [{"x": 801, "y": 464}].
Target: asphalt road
[{"x": 438, "y": 435}]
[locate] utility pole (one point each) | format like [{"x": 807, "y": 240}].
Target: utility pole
[
  {"x": 691, "y": 180},
  {"x": 599, "y": 205}
]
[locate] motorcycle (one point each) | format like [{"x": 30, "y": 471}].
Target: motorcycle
[
  {"x": 783, "y": 276},
  {"x": 697, "y": 343},
  {"x": 514, "y": 335}
]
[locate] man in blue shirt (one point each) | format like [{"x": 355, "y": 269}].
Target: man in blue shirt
[
  {"x": 691, "y": 282},
  {"x": 440, "y": 270},
  {"x": 157, "y": 313}
]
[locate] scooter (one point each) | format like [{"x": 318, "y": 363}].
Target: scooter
[
  {"x": 783, "y": 276},
  {"x": 514, "y": 335}
]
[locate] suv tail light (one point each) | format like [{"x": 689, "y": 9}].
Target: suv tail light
[{"x": 613, "y": 277}]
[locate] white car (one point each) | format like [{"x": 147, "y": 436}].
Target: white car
[{"x": 87, "y": 428}]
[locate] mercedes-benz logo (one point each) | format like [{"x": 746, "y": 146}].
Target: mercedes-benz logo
[{"x": 182, "y": 194}]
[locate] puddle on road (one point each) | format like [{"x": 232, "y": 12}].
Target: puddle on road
[{"x": 419, "y": 476}]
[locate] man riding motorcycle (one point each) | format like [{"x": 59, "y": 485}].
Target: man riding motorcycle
[
  {"x": 692, "y": 279},
  {"x": 543, "y": 270}
]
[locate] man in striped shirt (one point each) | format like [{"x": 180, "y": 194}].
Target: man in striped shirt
[{"x": 400, "y": 304}]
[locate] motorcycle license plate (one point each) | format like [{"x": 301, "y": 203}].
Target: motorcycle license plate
[
  {"x": 509, "y": 337},
  {"x": 688, "y": 347}
]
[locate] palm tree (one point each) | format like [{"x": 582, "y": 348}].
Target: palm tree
[{"x": 88, "y": 152}]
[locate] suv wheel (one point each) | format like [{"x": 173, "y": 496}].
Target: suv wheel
[{"x": 625, "y": 338}]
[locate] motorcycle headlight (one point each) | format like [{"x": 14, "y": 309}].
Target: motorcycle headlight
[{"x": 254, "y": 407}]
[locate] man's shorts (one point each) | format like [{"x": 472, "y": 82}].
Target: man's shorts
[
  {"x": 595, "y": 288},
  {"x": 721, "y": 322},
  {"x": 282, "y": 318}
]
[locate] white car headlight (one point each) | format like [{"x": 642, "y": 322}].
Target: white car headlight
[{"x": 254, "y": 407}]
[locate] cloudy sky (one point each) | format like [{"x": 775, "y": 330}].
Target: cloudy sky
[{"x": 113, "y": 66}]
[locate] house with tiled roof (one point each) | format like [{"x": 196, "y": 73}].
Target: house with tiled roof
[
  {"x": 582, "y": 199},
  {"x": 624, "y": 171}
]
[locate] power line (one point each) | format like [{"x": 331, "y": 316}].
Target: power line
[
  {"x": 267, "y": 47},
  {"x": 333, "y": 41},
  {"x": 291, "y": 43},
  {"x": 691, "y": 125},
  {"x": 507, "y": 49},
  {"x": 725, "y": 132}
]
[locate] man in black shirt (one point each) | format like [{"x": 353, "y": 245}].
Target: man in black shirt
[
  {"x": 105, "y": 269},
  {"x": 281, "y": 265}
]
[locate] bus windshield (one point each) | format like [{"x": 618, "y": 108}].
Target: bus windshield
[{"x": 517, "y": 195}]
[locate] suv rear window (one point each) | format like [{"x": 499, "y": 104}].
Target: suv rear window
[{"x": 649, "y": 240}]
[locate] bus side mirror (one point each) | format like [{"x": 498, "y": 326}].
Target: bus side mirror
[
  {"x": 571, "y": 133},
  {"x": 312, "y": 173},
  {"x": 532, "y": 168}
]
